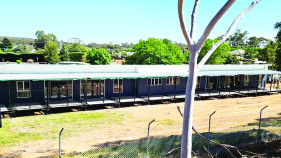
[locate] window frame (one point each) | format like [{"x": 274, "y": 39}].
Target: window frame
[
  {"x": 117, "y": 87},
  {"x": 171, "y": 81},
  {"x": 23, "y": 89},
  {"x": 153, "y": 80},
  {"x": 246, "y": 80}
]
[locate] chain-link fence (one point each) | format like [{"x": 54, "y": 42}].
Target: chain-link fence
[
  {"x": 121, "y": 139},
  {"x": 159, "y": 144}
]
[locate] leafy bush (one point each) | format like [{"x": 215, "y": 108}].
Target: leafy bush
[
  {"x": 76, "y": 56},
  {"x": 8, "y": 50},
  {"x": 30, "y": 61},
  {"x": 18, "y": 61},
  {"x": 12, "y": 57},
  {"x": 21, "y": 49}
]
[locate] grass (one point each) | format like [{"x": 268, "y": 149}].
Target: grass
[
  {"x": 30, "y": 128},
  {"x": 168, "y": 122},
  {"x": 159, "y": 146}
]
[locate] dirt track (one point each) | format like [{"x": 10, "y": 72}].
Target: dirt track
[{"x": 231, "y": 112}]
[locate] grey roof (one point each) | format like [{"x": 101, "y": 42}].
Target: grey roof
[
  {"x": 76, "y": 72},
  {"x": 238, "y": 52}
]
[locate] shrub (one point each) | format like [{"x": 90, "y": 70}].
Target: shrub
[
  {"x": 18, "y": 61},
  {"x": 24, "y": 56},
  {"x": 30, "y": 61},
  {"x": 76, "y": 56}
]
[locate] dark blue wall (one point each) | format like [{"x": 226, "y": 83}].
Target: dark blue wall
[
  {"x": 128, "y": 88},
  {"x": 4, "y": 92},
  {"x": 203, "y": 81},
  {"x": 37, "y": 91},
  {"x": 76, "y": 90},
  {"x": 157, "y": 90},
  {"x": 143, "y": 88},
  {"x": 170, "y": 89},
  {"x": 37, "y": 88}
]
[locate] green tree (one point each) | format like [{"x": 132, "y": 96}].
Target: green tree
[
  {"x": 256, "y": 41},
  {"x": 64, "y": 53},
  {"x": 76, "y": 47},
  {"x": 84, "y": 58},
  {"x": 250, "y": 55},
  {"x": 183, "y": 46},
  {"x": 51, "y": 52},
  {"x": 232, "y": 59},
  {"x": 186, "y": 56},
  {"x": 278, "y": 50},
  {"x": 268, "y": 53},
  {"x": 155, "y": 51},
  {"x": 238, "y": 38},
  {"x": 219, "y": 56},
  {"x": 42, "y": 39},
  {"x": 98, "y": 57},
  {"x": 6, "y": 44},
  {"x": 22, "y": 48},
  {"x": 83, "y": 48}
]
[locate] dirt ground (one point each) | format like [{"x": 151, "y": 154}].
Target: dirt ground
[{"x": 230, "y": 112}]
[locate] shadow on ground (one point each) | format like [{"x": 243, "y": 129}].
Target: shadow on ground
[{"x": 170, "y": 146}]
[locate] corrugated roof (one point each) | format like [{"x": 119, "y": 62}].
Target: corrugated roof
[{"x": 76, "y": 72}]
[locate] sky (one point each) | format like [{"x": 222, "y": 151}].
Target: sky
[{"x": 119, "y": 21}]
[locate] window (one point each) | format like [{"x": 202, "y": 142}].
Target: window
[
  {"x": 260, "y": 81},
  {"x": 171, "y": 81},
  {"x": 227, "y": 81},
  {"x": 117, "y": 83},
  {"x": 246, "y": 80},
  {"x": 260, "y": 78},
  {"x": 198, "y": 82},
  {"x": 210, "y": 82},
  {"x": 58, "y": 90},
  {"x": 23, "y": 89},
  {"x": 93, "y": 88},
  {"x": 154, "y": 81}
]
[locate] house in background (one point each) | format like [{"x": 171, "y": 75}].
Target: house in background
[{"x": 37, "y": 87}]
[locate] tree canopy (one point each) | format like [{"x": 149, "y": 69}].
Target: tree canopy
[
  {"x": 219, "y": 56},
  {"x": 64, "y": 53},
  {"x": 6, "y": 44},
  {"x": 232, "y": 59},
  {"x": 155, "y": 51},
  {"x": 21, "y": 48},
  {"x": 51, "y": 52},
  {"x": 250, "y": 55},
  {"x": 256, "y": 41},
  {"x": 268, "y": 53},
  {"x": 238, "y": 38},
  {"x": 42, "y": 39},
  {"x": 98, "y": 57}
]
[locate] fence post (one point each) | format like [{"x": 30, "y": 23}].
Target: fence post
[
  {"x": 258, "y": 139},
  {"x": 148, "y": 138},
  {"x": 0, "y": 119},
  {"x": 60, "y": 142},
  {"x": 209, "y": 129}
]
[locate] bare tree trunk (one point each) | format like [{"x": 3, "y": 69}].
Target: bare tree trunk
[
  {"x": 186, "y": 144},
  {"x": 194, "y": 68}
]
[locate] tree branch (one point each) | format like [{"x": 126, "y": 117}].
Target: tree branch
[
  {"x": 225, "y": 146},
  {"x": 193, "y": 18},
  {"x": 214, "y": 47},
  {"x": 183, "y": 28},
  {"x": 212, "y": 24}
]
